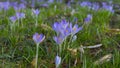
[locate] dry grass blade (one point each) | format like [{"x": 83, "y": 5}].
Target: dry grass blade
[
  {"x": 95, "y": 46},
  {"x": 46, "y": 27},
  {"x": 114, "y": 31},
  {"x": 105, "y": 58},
  {"x": 73, "y": 51}
]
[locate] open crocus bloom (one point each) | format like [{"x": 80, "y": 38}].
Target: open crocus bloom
[{"x": 38, "y": 38}]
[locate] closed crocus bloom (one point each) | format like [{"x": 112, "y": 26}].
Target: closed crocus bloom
[
  {"x": 20, "y": 15},
  {"x": 38, "y": 38},
  {"x": 95, "y": 6},
  {"x": 13, "y": 18},
  {"x": 88, "y": 18},
  {"x": 36, "y": 12},
  {"x": 57, "y": 61}
]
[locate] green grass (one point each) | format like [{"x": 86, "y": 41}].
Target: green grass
[{"x": 17, "y": 48}]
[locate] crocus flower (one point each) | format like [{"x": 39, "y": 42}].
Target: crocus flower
[
  {"x": 38, "y": 38},
  {"x": 55, "y": 27},
  {"x": 74, "y": 38},
  {"x": 86, "y": 3},
  {"x": 33, "y": 4},
  {"x": 20, "y": 15},
  {"x": 88, "y": 18},
  {"x": 13, "y": 4},
  {"x": 36, "y": 12},
  {"x": 57, "y": 61},
  {"x": 64, "y": 24},
  {"x": 44, "y": 5},
  {"x": 19, "y": 6},
  {"x": 61, "y": 27},
  {"x": 50, "y": 1},
  {"x": 75, "y": 29},
  {"x": 13, "y": 18},
  {"x": 59, "y": 39},
  {"x": 66, "y": 32},
  {"x": 95, "y": 6},
  {"x": 22, "y": 6},
  {"x": 65, "y": 28},
  {"x": 107, "y": 7},
  {"x": 5, "y": 5}
]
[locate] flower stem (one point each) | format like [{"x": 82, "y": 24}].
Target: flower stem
[
  {"x": 36, "y": 21},
  {"x": 36, "y": 55},
  {"x": 70, "y": 41}
]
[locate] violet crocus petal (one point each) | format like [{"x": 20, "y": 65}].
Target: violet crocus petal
[
  {"x": 57, "y": 61},
  {"x": 107, "y": 7},
  {"x": 50, "y": 1},
  {"x": 13, "y": 4},
  {"x": 55, "y": 27},
  {"x": 88, "y": 18},
  {"x": 44, "y": 5},
  {"x": 22, "y": 6},
  {"x": 36, "y": 12},
  {"x": 13, "y": 18},
  {"x": 64, "y": 24},
  {"x": 38, "y": 38},
  {"x": 20, "y": 15},
  {"x": 86, "y": 3},
  {"x": 76, "y": 29},
  {"x": 66, "y": 32},
  {"x": 95, "y": 6},
  {"x": 5, "y": 5},
  {"x": 58, "y": 39}
]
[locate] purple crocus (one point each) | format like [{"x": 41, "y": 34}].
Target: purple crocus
[
  {"x": 18, "y": 7},
  {"x": 86, "y": 3},
  {"x": 50, "y": 1},
  {"x": 66, "y": 32},
  {"x": 13, "y": 18},
  {"x": 58, "y": 39},
  {"x": 57, "y": 61},
  {"x": 61, "y": 27},
  {"x": 64, "y": 29},
  {"x": 88, "y": 18},
  {"x": 44, "y": 5},
  {"x": 107, "y": 7},
  {"x": 36, "y": 12},
  {"x": 20, "y": 15},
  {"x": 5, "y": 5},
  {"x": 56, "y": 27},
  {"x": 22, "y": 6},
  {"x": 38, "y": 38},
  {"x": 75, "y": 29},
  {"x": 95, "y": 6}
]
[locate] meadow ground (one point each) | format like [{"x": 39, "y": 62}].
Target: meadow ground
[{"x": 79, "y": 34}]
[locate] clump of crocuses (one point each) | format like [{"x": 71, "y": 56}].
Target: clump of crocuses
[
  {"x": 38, "y": 38},
  {"x": 63, "y": 30}
]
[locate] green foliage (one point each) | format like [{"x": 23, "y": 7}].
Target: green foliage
[{"x": 18, "y": 49}]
